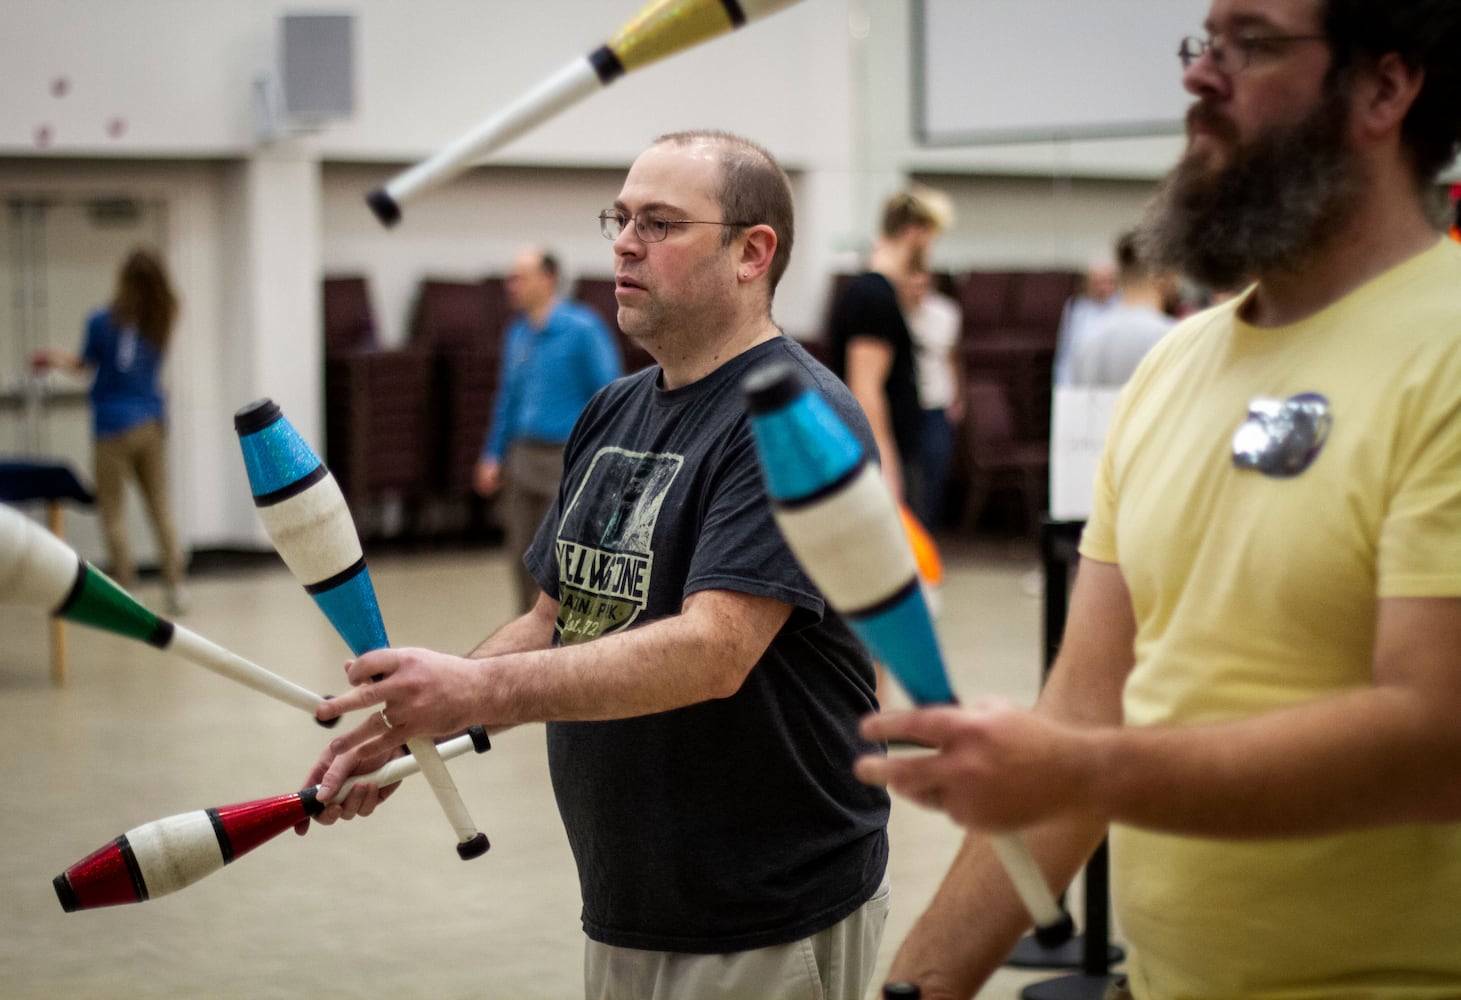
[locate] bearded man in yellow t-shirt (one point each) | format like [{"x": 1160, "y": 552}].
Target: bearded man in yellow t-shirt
[{"x": 1259, "y": 691}]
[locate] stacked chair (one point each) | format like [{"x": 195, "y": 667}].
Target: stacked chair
[
  {"x": 377, "y": 405},
  {"x": 460, "y": 324}
]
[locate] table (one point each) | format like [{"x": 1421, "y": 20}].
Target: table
[{"x": 29, "y": 480}]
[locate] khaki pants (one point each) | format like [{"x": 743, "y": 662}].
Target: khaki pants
[
  {"x": 141, "y": 454},
  {"x": 834, "y": 964},
  {"x": 531, "y": 473}
]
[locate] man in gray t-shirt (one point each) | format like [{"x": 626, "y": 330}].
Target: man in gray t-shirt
[{"x": 702, "y": 701}]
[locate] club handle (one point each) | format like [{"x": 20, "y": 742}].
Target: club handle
[
  {"x": 208, "y": 654},
  {"x": 1053, "y": 926},
  {"x": 474, "y": 739},
  {"x": 566, "y": 87},
  {"x": 471, "y": 842}
]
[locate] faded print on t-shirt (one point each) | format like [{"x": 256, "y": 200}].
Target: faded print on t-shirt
[{"x": 605, "y": 562}]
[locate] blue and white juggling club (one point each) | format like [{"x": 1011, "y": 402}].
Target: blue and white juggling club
[
  {"x": 842, "y": 524},
  {"x": 306, "y": 517}
]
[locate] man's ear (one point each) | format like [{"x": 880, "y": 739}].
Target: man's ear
[
  {"x": 1384, "y": 92},
  {"x": 758, "y": 247}
]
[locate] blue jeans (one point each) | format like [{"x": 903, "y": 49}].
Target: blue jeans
[{"x": 935, "y": 451}]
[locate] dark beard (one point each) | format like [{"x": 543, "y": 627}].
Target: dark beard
[{"x": 1280, "y": 201}]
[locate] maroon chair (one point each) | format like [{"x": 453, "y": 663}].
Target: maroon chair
[
  {"x": 993, "y": 457},
  {"x": 1039, "y": 303},
  {"x": 985, "y": 297},
  {"x": 376, "y": 405},
  {"x": 1011, "y": 338},
  {"x": 459, "y": 315},
  {"x": 349, "y": 320},
  {"x": 467, "y": 384},
  {"x": 377, "y": 425},
  {"x": 820, "y": 349},
  {"x": 494, "y": 298},
  {"x": 461, "y": 325},
  {"x": 1040, "y": 298}
]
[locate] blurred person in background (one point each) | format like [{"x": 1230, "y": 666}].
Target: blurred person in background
[
  {"x": 556, "y": 355},
  {"x": 125, "y": 345},
  {"x": 936, "y": 322},
  {"x": 872, "y": 347}
]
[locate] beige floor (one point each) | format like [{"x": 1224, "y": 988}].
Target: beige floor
[{"x": 381, "y": 908}]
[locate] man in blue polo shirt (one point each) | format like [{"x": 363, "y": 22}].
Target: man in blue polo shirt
[{"x": 556, "y": 355}]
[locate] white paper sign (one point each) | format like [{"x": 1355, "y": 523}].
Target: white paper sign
[{"x": 1078, "y": 421}]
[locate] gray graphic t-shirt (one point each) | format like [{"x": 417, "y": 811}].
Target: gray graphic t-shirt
[{"x": 735, "y": 823}]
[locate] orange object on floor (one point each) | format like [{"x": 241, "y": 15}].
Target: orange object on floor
[{"x": 925, "y": 550}]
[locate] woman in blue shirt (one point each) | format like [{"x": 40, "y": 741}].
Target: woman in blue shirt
[{"x": 124, "y": 348}]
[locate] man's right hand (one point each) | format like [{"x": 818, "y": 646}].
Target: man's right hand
[
  {"x": 362, "y": 798},
  {"x": 487, "y": 479}
]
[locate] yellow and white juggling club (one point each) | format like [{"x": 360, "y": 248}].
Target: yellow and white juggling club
[{"x": 660, "y": 29}]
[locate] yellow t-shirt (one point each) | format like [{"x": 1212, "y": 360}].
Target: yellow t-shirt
[{"x": 1254, "y": 592}]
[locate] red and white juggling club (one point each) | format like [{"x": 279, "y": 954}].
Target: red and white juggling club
[
  {"x": 168, "y": 854},
  {"x": 840, "y": 521},
  {"x": 40, "y": 570},
  {"x": 305, "y": 514},
  {"x": 660, "y": 29}
]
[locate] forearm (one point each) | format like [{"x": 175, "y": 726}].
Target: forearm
[
  {"x": 533, "y": 630},
  {"x": 869, "y": 361},
  {"x": 875, "y": 408},
  {"x": 655, "y": 668},
  {"x": 702, "y": 653},
  {"x": 62, "y": 360},
  {"x": 975, "y": 918},
  {"x": 1354, "y": 759},
  {"x": 888, "y": 457}
]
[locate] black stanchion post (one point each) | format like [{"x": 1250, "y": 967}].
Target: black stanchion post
[{"x": 1091, "y": 952}]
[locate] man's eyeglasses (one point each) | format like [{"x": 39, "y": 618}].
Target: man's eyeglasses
[
  {"x": 1232, "y": 55},
  {"x": 649, "y": 228}
]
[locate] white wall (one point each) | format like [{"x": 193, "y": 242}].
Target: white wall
[
  {"x": 181, "y": 75},
  {"x": 1001, "y": 68},
  {"x": 1031, "y": 223},
  {"x": 200, "y": 379},
  {"x": 254, "y": 224},
  {"x": 465, "y": 231}
]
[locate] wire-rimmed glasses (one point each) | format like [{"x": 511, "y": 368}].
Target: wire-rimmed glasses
[
  {"x": 1232, "y": 55},
  {"x": 648, "y": 227}
]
